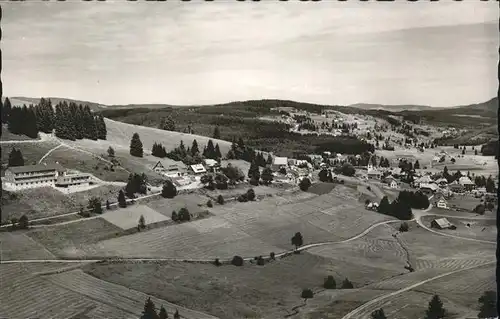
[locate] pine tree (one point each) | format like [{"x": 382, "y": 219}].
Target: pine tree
[
  {"x": 169, "y": 190},
  {"x": 218, "y": 154},
  {"x": 210, "y": 150},
  {"x": 417, "y": 165},
  {"x": 7, "y": 107},
  {"x": 269, "y": 159},
  {"x": 217, "y": 133},
  {"x": 488, "y": 305},
  {"x": 167, "y": 123},
  {"x": 136, "y": 146},
  {"x": 30, "y": 124},
  {"x": 122, "y": 202},
  {"x": 163, "y": 313},
  {"x": 15, "y": 158},
  {"x": 100, "y": 127},
  {"x": 384, "y": 207},
  {"x": 435, "y": 309},
  {"x": 176, "y": 314},
  {"x": 194, "y": 148},
  {"x": 267, "y": 176},
  {"x": 149, "y": 311},
  {"x": 379, "y": 314},
  {"x": 142, "y": 222}
]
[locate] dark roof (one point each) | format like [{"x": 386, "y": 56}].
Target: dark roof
[{"x": 35, "y": 168}]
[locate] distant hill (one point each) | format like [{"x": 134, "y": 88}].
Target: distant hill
[
  {"x": 392, "y": 108},
  {"x": 21, "y": 100}
]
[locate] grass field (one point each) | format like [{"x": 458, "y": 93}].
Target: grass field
[
  {"x": 465, "y": 287},
  {"x": 47, "y": 201},
  {"x": 268, "y": 291},
  {"x": 428, "y": 250},
  {"x": 32, "y": 152},
  {"x": 68, "y": 294},
  {"x": 193, "y": 202},
  {"x": 321, "y": 188},
  {"x": 74, "y": 240},
  {"x": 477, "y": 229},
  {"x": 127, "y": 218},
  {"x": 17, "y": 245},
  {"x": 84, "y": 162}
]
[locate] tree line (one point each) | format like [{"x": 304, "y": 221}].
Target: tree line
[
  {"x": 436, "y": 309},
  {"x": 70, "y": 121}
]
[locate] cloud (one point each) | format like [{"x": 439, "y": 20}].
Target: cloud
[{"x": 188, "y": 53}]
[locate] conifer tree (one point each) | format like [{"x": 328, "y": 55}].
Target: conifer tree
[
  {"x": 163, "y": 313},
  {"x": 167, "y": 123},
  {"x": 435, "y": 309},
  {"x": 378, "y": 314},
  {"x": 16, "y": 158},
  {"x": 149, "y": 311},
  {"x": 176, "y": 314},
  {"x": 194, "y": 148},
  {"x": 269, "y": 159},
  {"x": 101, "y": 127},
  {"x": 210, "y": 150},
  {"x": 7, "y": 107},
  {"x": 217, "y": 133},
  {"x": 136, "y": 146},
  {"x": 122, "y": 202},
  {"x": 30, "y": 124},
  {"x": 218, "y": 154}
]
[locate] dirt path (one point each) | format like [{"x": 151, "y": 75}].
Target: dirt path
[
  {"x": 48, "y": 153},
  {"x": 356, "y": 313}
]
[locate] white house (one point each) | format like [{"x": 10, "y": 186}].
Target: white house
[
  {"x": 279, "y": 162},
  {"x": 32, "y": 176},
  {"x": 197, "y": 169},
  {"x": 393, "y": 184},
  {"x": 466, "y": 183},
  {"x": 430, "y": 187}
]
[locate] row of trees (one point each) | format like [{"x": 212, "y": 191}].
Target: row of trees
[
  {"x": 149, "y": 311},
  {"x": 436, "y": 310},
  {"x": 255, "y": 175},
  {"x": 399, "y": 209},
  {"x": 70, "y": 121}
]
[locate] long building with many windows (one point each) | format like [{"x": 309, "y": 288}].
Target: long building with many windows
[{"x": 42, "y": 175}]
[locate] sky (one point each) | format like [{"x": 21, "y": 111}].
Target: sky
[{"x": 187, "y": 53}]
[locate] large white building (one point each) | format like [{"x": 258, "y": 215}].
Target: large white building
[{"x": 42, "y": 175}]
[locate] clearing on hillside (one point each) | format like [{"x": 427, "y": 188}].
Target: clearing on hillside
[
  {"x": 119, "y": 135},
  {"x": 193, "y": 202},
  {"x": 32, "y": 152},
  {"x": 74, "y": 240},
  {"x": 468, "y": 228},
  {"x": 47, "y": 201},
  {"x": 127, "y": 218},
  {"x": 87, "y": 163}
]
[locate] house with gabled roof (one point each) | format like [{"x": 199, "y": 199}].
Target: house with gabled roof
[
  {"x": 279, "y": 162},
  {"x": 442, "y": 223},
  {"x": 32, "y": 176}
]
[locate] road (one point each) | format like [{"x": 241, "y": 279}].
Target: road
[{"x": 355, "y": 314}]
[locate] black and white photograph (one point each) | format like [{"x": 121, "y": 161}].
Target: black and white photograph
[{"x": 234, "y": 159}]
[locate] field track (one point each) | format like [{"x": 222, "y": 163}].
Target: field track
[{"x": 371, "y": 305}]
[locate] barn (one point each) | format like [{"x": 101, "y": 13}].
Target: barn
[{"x": 442, "y": 223}]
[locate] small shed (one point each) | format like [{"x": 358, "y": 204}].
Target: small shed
[{"x": 442, "y": 223}]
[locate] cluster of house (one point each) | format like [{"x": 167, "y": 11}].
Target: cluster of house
[{"x": 42, "y": 175}]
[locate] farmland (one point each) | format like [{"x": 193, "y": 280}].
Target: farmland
[
  {"x": 14, "y": 246},
  {"x": 71, "y": 293},
  {"x": 128, "y": 218},
  {"x": 269, "y": 291},
  {"x": 75, "y": 239},
  {"x": 482, "y": 229},
  {"x": 47, "y": 201}
]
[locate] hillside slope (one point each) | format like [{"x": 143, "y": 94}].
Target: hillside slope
[{"x": 21, "y": 100}]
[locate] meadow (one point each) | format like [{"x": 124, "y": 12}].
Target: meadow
[
  {"x": 47, "y": 201},
  {"x": 32, "y": 152}
]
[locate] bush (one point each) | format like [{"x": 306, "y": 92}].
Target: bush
[
  {"x": 404, "y": 227},
  {"x": 237, "y": 261},
  {"x": 330, "y": 283},
  {"x": 251, "y": 194},
  {"x": 169, "y": 190},
  {"x": 260, "y": 261},
  {"x": 307, "y": 293},
  {"x": 346, "y": 284},
  {"x": 304, "y": 184},
  {"x": 209, "y": 204},
  {"x": 217, "y": 262},
  {"x": 23, "y": 222},
  {"x": 272, "y": 255},
  {"x": 243, "y": 198},
  {"x": 220, "y": 200}
]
